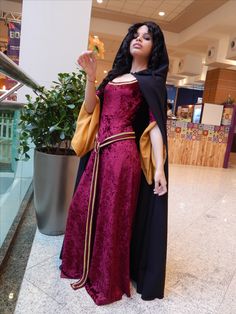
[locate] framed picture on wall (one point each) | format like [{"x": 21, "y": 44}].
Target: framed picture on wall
[
  {"x": 227, "y": 114},
  {"x": 185, "y": 112}
]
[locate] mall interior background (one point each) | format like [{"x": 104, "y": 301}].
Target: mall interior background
[{"x": 201, "y": 42}]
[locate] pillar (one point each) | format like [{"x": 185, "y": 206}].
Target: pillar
[
  {"x": 219, "y": 84},
  {"x": 53, "y": 34}
]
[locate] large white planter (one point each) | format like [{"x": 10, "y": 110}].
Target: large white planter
[{"x": 54, "y": 181}]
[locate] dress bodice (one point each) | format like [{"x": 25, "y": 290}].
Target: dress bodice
[{"x": 121, "y": 102}]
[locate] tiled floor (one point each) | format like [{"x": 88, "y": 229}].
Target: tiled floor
[
  {"x": 14, "y": 254},
  {"x": 201, "y": 267}
]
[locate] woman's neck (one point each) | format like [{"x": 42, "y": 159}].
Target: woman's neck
[{"x": 138, "y": 66}]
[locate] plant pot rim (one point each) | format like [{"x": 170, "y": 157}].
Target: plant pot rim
[{"x": 72, "y": 153}]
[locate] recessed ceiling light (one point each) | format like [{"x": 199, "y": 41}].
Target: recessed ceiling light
[
  {"x": 105, "y": 71},
  {"x": 99, "y": 1},
  {"x": 11, "y": 295},
  {"x": 161, "y": 13}
]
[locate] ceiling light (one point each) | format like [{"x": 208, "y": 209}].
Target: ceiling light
[
  {"x": 105, "y": 71},
  {"x": 95, "y": 36},
  {"x": 11, "y": 295},
  {"x": 161, "y": 13},
  {"x": 99, "y": 1}
]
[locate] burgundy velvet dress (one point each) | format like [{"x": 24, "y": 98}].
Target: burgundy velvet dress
[{"x": 115, "y": 204}]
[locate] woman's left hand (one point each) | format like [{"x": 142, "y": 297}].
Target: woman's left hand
[{"x": 160, "y": 182}]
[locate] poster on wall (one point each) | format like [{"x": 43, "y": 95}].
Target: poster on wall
[{"x": 13, "y": 48}]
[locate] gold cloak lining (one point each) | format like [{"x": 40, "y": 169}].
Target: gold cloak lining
[{"x": 87, "y": 128}]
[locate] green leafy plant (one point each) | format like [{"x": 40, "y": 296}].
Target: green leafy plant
[{"x": 49, "y": 121}]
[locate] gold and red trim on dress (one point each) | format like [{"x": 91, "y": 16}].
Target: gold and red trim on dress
[
  {"x": 123, "y": 83},
  {"x": 109, "y": 140}
]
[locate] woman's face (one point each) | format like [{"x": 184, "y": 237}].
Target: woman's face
[{"x": 141, "y": 44}]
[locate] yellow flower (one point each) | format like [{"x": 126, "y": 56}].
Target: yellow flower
[{"x": 96, "y": 45}]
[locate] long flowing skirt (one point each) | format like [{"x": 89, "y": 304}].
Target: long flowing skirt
[{"x": 115, "y": 204}]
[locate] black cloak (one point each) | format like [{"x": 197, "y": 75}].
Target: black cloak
[{"x": 149, "y": 234}]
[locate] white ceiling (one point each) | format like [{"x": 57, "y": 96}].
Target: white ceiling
[
  {"x": 179, "y": 14},
  {"x": 146, "y": 8}
]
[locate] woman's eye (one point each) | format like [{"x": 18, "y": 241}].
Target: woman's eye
[{"x": 147, "y": 37}]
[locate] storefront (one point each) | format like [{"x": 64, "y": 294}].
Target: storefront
[{"x": 205, "y": 143}]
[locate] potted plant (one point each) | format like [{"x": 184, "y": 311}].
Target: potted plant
[{"x": 49, "y": 123}]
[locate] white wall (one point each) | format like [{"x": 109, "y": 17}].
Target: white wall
[{"x": 52, "y": 36}]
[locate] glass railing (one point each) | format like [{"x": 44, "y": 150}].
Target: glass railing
[{"x": 15, "y": 176}]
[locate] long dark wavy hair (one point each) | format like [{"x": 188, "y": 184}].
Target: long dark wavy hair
[{"x": 123, "y": 60}]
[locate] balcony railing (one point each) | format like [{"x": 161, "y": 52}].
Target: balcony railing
[{"x": 15, "y": 176}]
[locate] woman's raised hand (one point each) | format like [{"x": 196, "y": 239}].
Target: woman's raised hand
[{"x": 88, "y": 63}]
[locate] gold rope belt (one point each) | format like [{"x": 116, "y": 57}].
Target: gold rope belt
[{"x": 111, "y": 139}]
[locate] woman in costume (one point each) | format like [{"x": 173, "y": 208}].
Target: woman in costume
[{"x": 117, "y": 221}]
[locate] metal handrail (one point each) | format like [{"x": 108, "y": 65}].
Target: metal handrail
[
  {"x": 11, "y": 69},
  {"x": 11, "y": 91}
]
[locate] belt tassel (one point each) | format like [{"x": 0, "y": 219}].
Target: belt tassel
[{"x": 112, "y": 139}]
